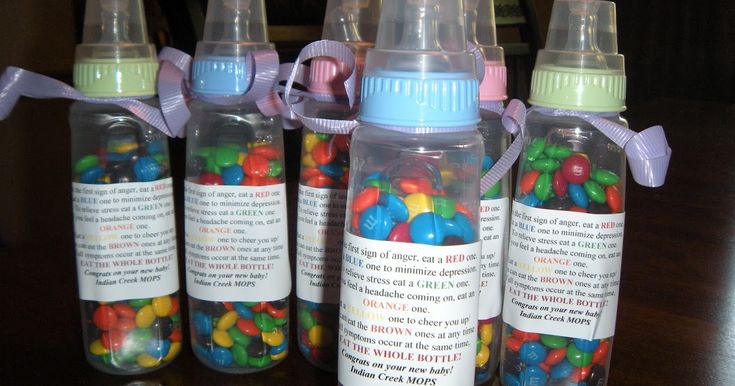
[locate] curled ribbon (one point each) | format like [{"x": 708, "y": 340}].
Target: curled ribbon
[
  {"x": 16, "y": 82},
  {"x": 648, "y": 152},
  {"x": 174, "y": 89}
]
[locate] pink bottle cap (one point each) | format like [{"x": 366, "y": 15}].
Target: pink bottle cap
[
  {"x": 494, "y": 86},
  {"x": 327, "y": 75}
]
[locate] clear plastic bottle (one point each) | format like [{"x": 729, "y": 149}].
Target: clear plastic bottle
[
  {"x": 410, "y": 271},
  {"x": 494, "y": 204},
  {"x": 323, "y": 183},
  {"x": 566, "y": 242},
  {"x": 122, "y": 200},
  {"x": 237, "y": 268}
]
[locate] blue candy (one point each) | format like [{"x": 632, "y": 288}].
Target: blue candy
[
  {"x": 221, "y": 357},
  {"x": 428, "y": 228},
  {"x": 117, "y": 157},
  {"x": 562, "y": 370},
  {"x": 202, "y": 323},
  {"x": 146, "y": 169},
  {"x": 585, "y": 345},
  {"x": 244, "y": 311},
  {"x": 463, "y": 225},
  {"x": 333, "y": 170},
  {"x": 232, "y": 175},
  {"x": 532, "y": 353},
  {"x": 487, "y": 163},
  {"x": 91, "y": 175},
  {"x": 158, "y": 348},
  {"x": 578, "y": 195},
  {"x": 531, "y": 200},
  {"x": 533, "y": 375},
  {"x": 280, "y": 348},
  {"x": 397, "y": 208},
  {"x": 376, "y": 223},
  {"x": 511, "y": 380},
  {"x": 155, "y": 147}
]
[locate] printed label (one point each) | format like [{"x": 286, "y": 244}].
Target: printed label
[
  {"x": 493, "y": 232},
  {"x": 125, "y": 239},
  {"x": 408, "y": 313},
  {"x": 563, "y": 273},
  {"x": 319, "y": 230},
  {"x": 236, "y": 243}
]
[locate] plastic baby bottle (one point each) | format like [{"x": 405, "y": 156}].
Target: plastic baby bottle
[
  {"x": 566, "y": 241},
  {"x": 237, "y": 268},
  {"x": 122, "y": 199},
  {"x": 323, "y": 183},
  {"x": 411, "y": 258},
  {"x": 494, "y": 204}
]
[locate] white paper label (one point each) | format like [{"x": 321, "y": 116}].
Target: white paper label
[
  {"x": 319, "y": 230},
  {"x": 236, "y": 243},
  {"x": 408, "y": 313},
  {"x": 493, "y": 232},
  {"x": 125, "y": 239},
  {"x": 563, "y": 273}
]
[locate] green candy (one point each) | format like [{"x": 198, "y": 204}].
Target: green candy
[
  {"x": 239, "y": 355},
  {"x": 212, "y": 167},
  {"x": 249, "y": 304},
  {"x": 106, "y": 359},
  {"x": 274, "y": 169},
  {"x": 261, "y": 362},
  {"x": 542, "y": 187},
  {"x": 323, "y": 137},
  {"x": 577, "y": 357},
  {"x": 138, "y": 339},
  {"x": 554, "y": 341},
  {"x": 174, "y": 317},
  {"x": 226, "y": 156},
  {"x": 280, "y": 321},
  {"x": 546, "y": 165},
  {"x": 87, "y": 162},
  {"x": 493, "y": 191},
  {"x": 445, "y": 207},
  {"x": 594, "y": 191},
  {"x": 160, "y": 158},
  {"x": 138, "y": 303},
  {"x": 479, "y": 346},
  {"x": 264, "y": 322},
  {"x": 307, "y": 321},
  {"x": 558, "y": 151},
  {"x": 604, "y": 177},
  {"x": 238, "y": 337},
  {"x": 535, "y": 149}
]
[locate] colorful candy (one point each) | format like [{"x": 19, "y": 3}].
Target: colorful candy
[
  {"x": 129, "y": 337},
  {"x": 238, "y": 336},
  {"x": 251, "y": 164},
  {"x": 325, "y": 160}
]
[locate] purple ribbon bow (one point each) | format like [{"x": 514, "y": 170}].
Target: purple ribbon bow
[{"x": 16, "y": 82}]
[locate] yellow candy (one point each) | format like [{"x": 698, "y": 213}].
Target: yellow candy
[
  {"x": 145, "y": 316},
  {"x": 307, "y": 161},
  {"x": 280, "y": 355},
  {"x": 147, "y": 361},
  {"x": 310, "y": 140},
  {"x": 319, "y": 336},
  {"x": 418, "y": 203},
  {"x": 241, "y": 158},
  {"x": 227, "y": 320},
  {"x": 447, "y": 176},
  {"x": 482, "y": 357},
  {"x": 274, "y": 338},
  {"x": 222, "y": 338},
  {"x": 97, "y": 348},
  {"x": 173, "y": 351},
  {"x": 162, "y": 306},
  {"x": 486, "y": 334}
]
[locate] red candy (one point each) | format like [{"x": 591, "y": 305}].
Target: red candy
[
  {"x": 600, "y": 354},
  {"x": 365, "y": 199},
  {"x": 125, "y": 325},
  {"x": 528, "y": 181},
  {"x": 323, "y": 153},
  {"x": 319, "y": 181},
  {"x": 210, "y": 179},
  {"x": 260, "y": 307},
  {"x": 400, "y": 233},
  {"x": 526, "y": 336},
  {"x": 413, "y": 185},
  {"x": 310, "y": 172},
  {"x": 580, "y": 374},
  {"x": 256, "y": 166},
  {"x": 576, "y": 169},
  {"x": 577, "y": 209},
  {"x": 105, "y": 318},
  {"x": 124, "y": 311},
  {"x": 248, "y": 327},
  {"x": 113, "y": 340},
  {"x": 228, "y": 306},
  {"x": 513, "y": 344},
  {"x": 555, "y": 356},
  {"x": 342, "y": 142},
  {"x": 559, "y": 184},
  {"x": 614, "y": 199},
  {"x": 259, "y": 181},
  {"x": 266, "y": 151},
  {"x": 275, "y": 312},
  {"x": 175, "y": 335},
  {"x": 174, "y": 306}
]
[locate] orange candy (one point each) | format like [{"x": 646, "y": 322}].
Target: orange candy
[
  {"x": 319, "y": 181},
  {"x": 600, "y": 354},
  {"x": 614, "y": 199},
  {"x": 413, "y": 185},
  {"x": 324, "y": 153},
  {"x": 266, "y": 151},
  {"x": 105, "y": 317},
  {"x": 365, "y": 199},
  {"x": 528, "y": 181},
  {"x": 256, "y": 166},
  {"x": 513, "y": 344}
]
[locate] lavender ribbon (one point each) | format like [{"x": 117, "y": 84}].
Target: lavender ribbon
[
  {"x": 514, "y": 121},
  {"x": 321, "y": 48},
  {"x": 174, "y": 88},
  {"x": 16, "y": 82},
  {"x": 648, "y": 152},
  {"x": 479, "y": 61}
]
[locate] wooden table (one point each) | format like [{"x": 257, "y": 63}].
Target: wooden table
[{"x": 676, "y": 319}]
